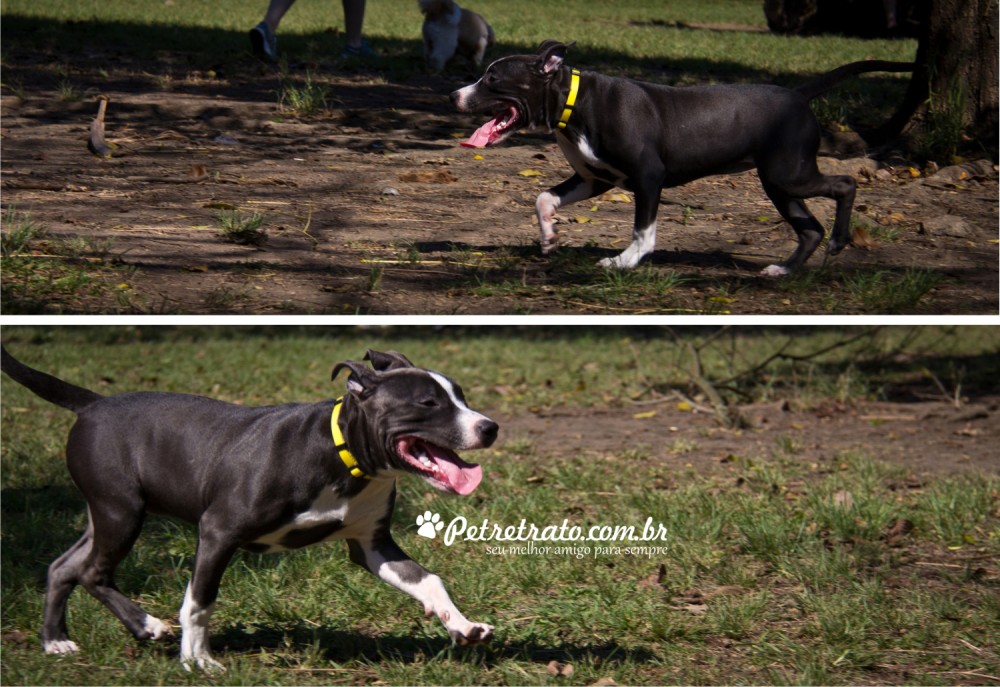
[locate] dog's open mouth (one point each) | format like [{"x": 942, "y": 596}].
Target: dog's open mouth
[
  {"x": 494, "y": 130},
  {"x": 440, "y": 466}
]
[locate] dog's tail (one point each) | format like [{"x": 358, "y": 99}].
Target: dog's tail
[
  {"x": 821, "y": 84},
  {"x": 50, "y": 388}
]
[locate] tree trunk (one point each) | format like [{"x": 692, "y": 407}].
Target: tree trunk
[
  {"x": 956, "y": 74},
  {"x": 962, "y": 54}
]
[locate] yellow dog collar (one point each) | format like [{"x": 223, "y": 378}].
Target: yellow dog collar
[
  {"x": 338, "y": 439},
  {"x": 574, "y": 88}
]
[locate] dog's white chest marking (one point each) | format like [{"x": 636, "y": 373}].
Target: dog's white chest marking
[
  {"x": 586, "y": 163},
  {"x": 330, "y": 516}
]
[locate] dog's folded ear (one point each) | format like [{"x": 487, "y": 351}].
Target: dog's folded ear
[
  {"x": 391, "y": 360},
  {"x": 551, "y": 54},
  {"x": 362, "y": 380}
]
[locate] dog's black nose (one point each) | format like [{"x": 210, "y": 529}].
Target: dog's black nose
[{"x": 488, "y": 431}]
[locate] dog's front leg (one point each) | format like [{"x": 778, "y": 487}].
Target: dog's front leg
[
  {"x": 440, "y": 43},
  {"x": 213, "y": 555},
  {"x": 574, "y": 189},
  {"x": 384, "y": 558},
  {"x": 647, "y": 200}
]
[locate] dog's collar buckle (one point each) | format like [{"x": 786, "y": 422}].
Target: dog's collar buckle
[
  {"x": 574, "y": 88},
  {"x": 341, "y": 444}
]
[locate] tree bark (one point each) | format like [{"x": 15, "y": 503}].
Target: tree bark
[{"x": 956, "y": 64}]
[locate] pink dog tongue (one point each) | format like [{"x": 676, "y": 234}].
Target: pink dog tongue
[
  {"x": 461, "y": 476},
  {"x": 482, "y": 135}
]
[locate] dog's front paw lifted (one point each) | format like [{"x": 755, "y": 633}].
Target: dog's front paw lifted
[
  {"x": 550, "y": 244},
  {"x": 476, "y": 633}
]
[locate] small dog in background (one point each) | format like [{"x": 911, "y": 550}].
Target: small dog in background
[{"x": 450, "y": 30}]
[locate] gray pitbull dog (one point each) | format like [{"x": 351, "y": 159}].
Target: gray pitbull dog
[
  {"x": 263, "y": 479},
  {"x": 645, "y": 137}
]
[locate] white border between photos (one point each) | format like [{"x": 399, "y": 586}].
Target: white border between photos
[{"x": 496, "y": 320}]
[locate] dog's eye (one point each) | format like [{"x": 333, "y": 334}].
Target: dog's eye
[{"x": 428, "y": 403}]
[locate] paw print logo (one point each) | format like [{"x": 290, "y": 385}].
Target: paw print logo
[{"x": 429, "y": 524}]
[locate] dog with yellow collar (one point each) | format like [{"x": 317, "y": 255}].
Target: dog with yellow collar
[
  {"x": 644, "y": 137},
  {"x": 264, "y": 479}
]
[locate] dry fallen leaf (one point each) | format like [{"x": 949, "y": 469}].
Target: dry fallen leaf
[
  {"x": 645, "y": 416},
  {"x": 726, "y": 590},
  {"x": 897, "y": 530},
  {"x": 95, "y": 142},
  {"x": 693, "y": 608},
  {"x": 529, "y": 173},
  {"x": 843, "y": 499},
  {"x": 437, "y": 176},
  {"x": 654, "y": 579},
  {"x": 559, "y": 669},
  {"x": 862, "y": 239}
]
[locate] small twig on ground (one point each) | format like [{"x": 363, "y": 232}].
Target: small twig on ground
[{"x": 305, "y": 227}]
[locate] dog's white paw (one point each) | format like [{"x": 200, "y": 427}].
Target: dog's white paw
[
  {"x": 549, "y": 241},
  {"x": 475, "y": 633},
  {"x": 205, "y": 664},
  {"x": 617, "y": 263},
  {"x": 59, "y": 647},
  {"x": 156, "y": 628},
  {"x": 775, "y": 271}
]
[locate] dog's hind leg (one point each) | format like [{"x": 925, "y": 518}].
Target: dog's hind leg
[
  {"x": 383, "y": 557},
  {"x": 64, "y": 575},
  {"x": 573, "y": 190},
  {"x": 789, "y": 175},
  {"x": 807, "y": 228},
  {"x": 439, "y": 47},
  {"x": 842, "y": 189},
  {"x": 115, "y": 527},
  {"x": 480, "y": 51}
]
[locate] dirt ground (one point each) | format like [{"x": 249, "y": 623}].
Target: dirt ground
[
  {"x": 372, "y": 207},
  {"x": 925, "y": 438}
]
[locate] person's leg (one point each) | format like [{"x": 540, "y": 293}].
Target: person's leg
[
  {"x": 263, "y": 41},
  {"x": 275, "y": 11},
  {"x": 354, "y": 19}
]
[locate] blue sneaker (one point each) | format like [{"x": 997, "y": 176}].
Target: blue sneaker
[
  {"x": 264, "y": 43},
  {"x": 364, "y": 51}
]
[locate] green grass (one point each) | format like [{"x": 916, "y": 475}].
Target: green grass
[
  {"x": 19, "y": 231},
  {"x": 242, "y": 229},
  {"x": 545, "y": 367},
  {"x": 770, "y": 575},
  {"x": 305, "y": 100},
  {"x": 636, "y": 37},
  {"x": 892, "y": 291},
  {"x": 46, "y": 275},
  {"x": 885, "y": 292}
]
